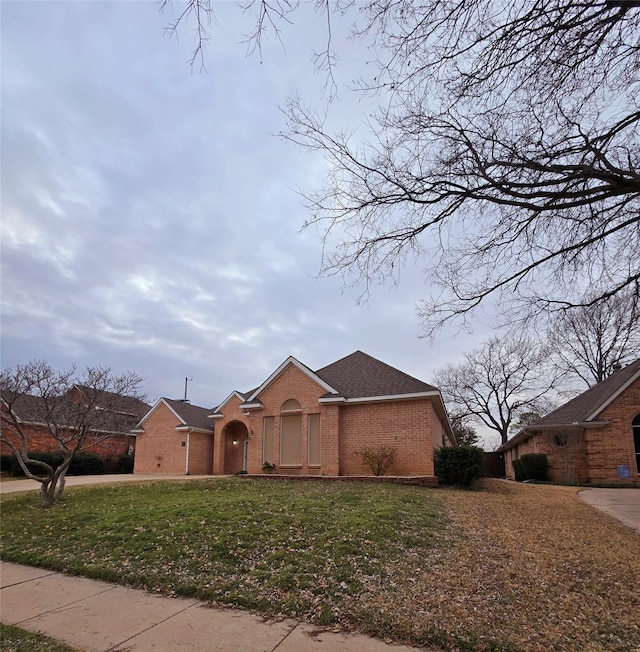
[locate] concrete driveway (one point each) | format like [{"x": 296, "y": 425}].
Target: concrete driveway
[
  {"x": 11, "y": 486},
  {"x": 621, "y": 504}
]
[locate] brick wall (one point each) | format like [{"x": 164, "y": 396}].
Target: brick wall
[
  {"x": 405, "y": 425},
  {"x": 611, "y": 446},
  {"x": 200, "y": 453},
  {"x": 159, "y": 449},
  {"x": 41, "y": 441}
]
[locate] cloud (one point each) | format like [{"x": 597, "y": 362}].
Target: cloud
[{"x": 149, "y": 220}]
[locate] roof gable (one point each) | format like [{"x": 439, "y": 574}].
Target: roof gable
[
  {"x": 303, "y": 368},
  {"x": 188, "y": 415},
  {"x": 587, "y": 406},
  {"x": 241, "y": 396},
  {"x": 360, "y": 375}
]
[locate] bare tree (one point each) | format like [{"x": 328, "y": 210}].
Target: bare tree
[
  {"x": 74, "y": 410},
  {"x": 505, "y": 156},
  {"x": 464, "y": 433},
  {"x": 590, "y": 342},
  {"x": 498, "y": 381}
]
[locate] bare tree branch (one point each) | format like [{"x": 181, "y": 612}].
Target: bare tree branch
[{"x": 74, "y": 410}]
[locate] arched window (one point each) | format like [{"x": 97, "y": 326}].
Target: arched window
[
  {"x": 635, "y": 426},
  {"x": 291, "y": 405},
  {"x": 291, "y": 433}
]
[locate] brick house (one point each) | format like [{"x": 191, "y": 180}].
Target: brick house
[
  {"x": 304, "y": 422},
  {"x": 111, "y": 436},
  {"x": 595, "y": 437},
  {"x": 174, "y": 437}
]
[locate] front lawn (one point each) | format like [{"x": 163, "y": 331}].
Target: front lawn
[
  {"x": 508, "y": 568},
  {"x": 14, "y": 639}
]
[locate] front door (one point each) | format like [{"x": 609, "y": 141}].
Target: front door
[{"x": 245, "y": 453}]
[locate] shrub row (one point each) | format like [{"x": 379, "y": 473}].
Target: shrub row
[
  {"x": 83, "y": 463},
  {"x": 532, "y": 466}
]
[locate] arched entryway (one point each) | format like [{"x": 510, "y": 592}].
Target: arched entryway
[{"x": 236, "y": 439}]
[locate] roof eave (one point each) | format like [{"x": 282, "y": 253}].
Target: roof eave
[
  {"x": 384, "y": 397},
  {"x": 205, "y": 431}
]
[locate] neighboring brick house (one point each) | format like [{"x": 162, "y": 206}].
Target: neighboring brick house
[
  {"x": 112, "y": 439},
  {"x": 174, "y": 437},
  {"x": 314, "y": 422},
  {"x": 595, "y": 437}
]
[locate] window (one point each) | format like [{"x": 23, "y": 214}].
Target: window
[
  {"x": 313, "y": 436},
  {"x": 267, "y": 439},
  {"x": 635, "y": 426},
  {"x": 291, "y": 406},
  {"x": 291, "y": 433},
  {"x": 561, "y": 440}
]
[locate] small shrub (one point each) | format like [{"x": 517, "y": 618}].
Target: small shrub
[
  {"x": 125, "y": 463},
  {"x": 268, "y": 467},
  {"x": 459, "y": 465},
  {"x": 379, "y": 459},
  {"x": 535, "y": 466}
]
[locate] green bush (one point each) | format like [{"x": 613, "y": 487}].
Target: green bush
[
  {"x": 535, "y": 466},
  {"x": 6, "y": 463},
  {"x": 87, "y": 464},
  {"x": 125, "y": 463},
  {"x": 518, "y": 471},
  {"x": 459, "y": 465}
]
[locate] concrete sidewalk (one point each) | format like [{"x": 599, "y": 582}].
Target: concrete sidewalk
[
  {"x": 98, "y": 616},
  {"x": 621, "y": 504}
]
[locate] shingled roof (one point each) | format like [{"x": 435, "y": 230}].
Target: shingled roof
[
  {"x": 585, "y": 408},
  {"x": 360, "y": 375},
  {"x": 190, "y": 416},
  {"x": 128, "y": 405},
  {"x": 29, "y": 409},
  {"x": 33, "y": 410}
]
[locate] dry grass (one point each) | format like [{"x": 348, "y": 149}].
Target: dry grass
[{"x": 530, "y": 568}]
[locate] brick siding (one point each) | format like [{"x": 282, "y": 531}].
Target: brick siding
[{"x": 40, "y": 440}]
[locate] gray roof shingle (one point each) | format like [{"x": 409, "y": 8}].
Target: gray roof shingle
[
  {"x": 360, "y": 375},
  {"x": 578, "y": 409},
  {"x": 192, "y": 415}
]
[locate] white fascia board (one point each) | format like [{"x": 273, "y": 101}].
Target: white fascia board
[
  {"x": 332, "y": 399},
  {"x": 235, "y": 393},
  {"x": 613, "y": 397},
  {"x": 303, "y": 368},
  {"x": 390, "y": 397},
  {"x": 193, "y": 429},
  {"x": 215, "y": 416}
]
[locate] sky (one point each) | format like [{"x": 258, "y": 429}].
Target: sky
[{"x": 150, "y": 213}]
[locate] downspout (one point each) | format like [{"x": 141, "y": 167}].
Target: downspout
[{"x": 186, "y": 462}]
